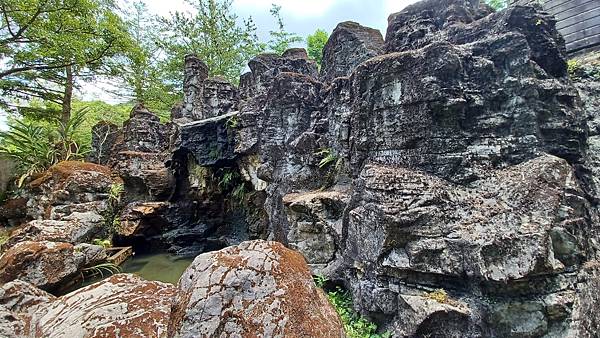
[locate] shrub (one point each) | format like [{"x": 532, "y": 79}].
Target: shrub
[{"x": 37, "y": 145}]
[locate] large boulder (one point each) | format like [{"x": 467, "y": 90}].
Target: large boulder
[
  {"x": 255, "y": 289},
  {"x": 45, "y": 264},
  {"x": 122, "y": 305},
  {"x": 349, "y": 45}
]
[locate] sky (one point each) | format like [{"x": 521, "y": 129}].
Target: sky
[{"x": 302, "y": 17}]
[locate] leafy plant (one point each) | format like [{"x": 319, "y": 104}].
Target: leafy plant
[
  {"x": 226, "y": 178},
  {"x": 115, "y": 192},
  {"x": 315, "y": 44},
  {"x": 497, "y": 4},
  {"x": 320, "y": 280},
  {"x": 239, "y": 192},
  {"x": 105, "y": 243},
  {"x": 327, "y": 157},
  {"x": 35, "y": 146},
  {"x": 355, "y": 325},
  {"x": 233, "y": 122},
  {"x": 439, "y": 295}
]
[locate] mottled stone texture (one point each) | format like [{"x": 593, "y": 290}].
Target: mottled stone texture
[
  {"x": 121, "y": 306},
  {"x": 349, "y": 45},
  {"x": 104, "y": 138},
  {"x": 255, "y": 289}
]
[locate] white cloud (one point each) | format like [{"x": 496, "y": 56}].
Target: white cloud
[{"x": 297, "y": 8}]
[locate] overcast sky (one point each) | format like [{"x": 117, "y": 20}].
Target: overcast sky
[{"x": 302, "y": 17}]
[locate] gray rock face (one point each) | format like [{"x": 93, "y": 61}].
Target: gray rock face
[
  {"x": 255, "y": 289},
  {"x": 349, "y": 45},
  {"x": 196, "y": 72},
  {"x": 264, "y": 69},
  {"x": 104, "y": 138}
]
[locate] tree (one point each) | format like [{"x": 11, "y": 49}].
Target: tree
[
  {"x": 315, "y": 44},
  {"x": 138, "y": 68},
  {"x": 46, "y": 46},
  {"x": 281, "y": 40},
  {"x": 213, "y": 34}
]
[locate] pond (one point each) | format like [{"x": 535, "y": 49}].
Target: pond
[{"x": 162, "y": 267}]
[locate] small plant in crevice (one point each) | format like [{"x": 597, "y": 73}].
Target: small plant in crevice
[
  {"x": 105, "y": 243},
  {"x": 320, "y": 280},
  {"x": 355, "y": 325},
  {"x": 111, "y": 219},
  {"x": 439, "y": 295},
  {"x": 232, "y": 122},
  {"x": 327, "y": 157}
]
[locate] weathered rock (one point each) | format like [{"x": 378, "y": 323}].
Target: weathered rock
[
  {"x": 122, "y": 305},
  {"x": 141, "y": 219},
  {"x": 196, "y": 72},
  {"x": 263, "y": 70},
  {"x": 68, "y": 183},
  {"x": 18, "y": 302},
  {"x": 257, "y": 288},
  {"x": 23, "y": 298},
  {"x": 45, "y": 264},
  {"x": 349, "y": 45},
  {"x": 144, "y": 174},
  {"x": 69, "y": 231},
  {"x": 13, "y": 212},
  {"x": 104, "y": 137},
  {"x": 219, "y": 97},
  {"x": 143, "y": 132},
  {"x": 315, "y": 224}
]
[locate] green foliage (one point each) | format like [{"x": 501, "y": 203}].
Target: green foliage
[
  {"x": 355, "y": 325},
  {"x": 115, "y": 191},
  {"x": 577, "y": 69},
  {"x": 37, "y": 145},
  {"x": 281, "y": 40},
  {"x": 233, "y": 122},
  {"x": 214, "y": 34},
  {"x": 138, "y": 67},
  {"x": 315, "y": 44},
  {"x": 327, "y": 157},
  {"x": 497, "y": 4},
  {"x": 320, "y": 280},
  {"x": 240, "y": 193},
  {"x": 45, "y": 46},
  {"x": 105, "y": 243}
]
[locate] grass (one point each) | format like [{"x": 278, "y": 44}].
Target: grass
[
  {"x": 355, "y": 325},
  {"x": 100, "y": 269}
]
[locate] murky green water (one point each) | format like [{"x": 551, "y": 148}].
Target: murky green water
[{"x": 162, "y": 267}]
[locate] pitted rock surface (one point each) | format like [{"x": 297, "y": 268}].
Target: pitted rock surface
[
  {"x": 255, "y": 289},
  {"x": 349, "y": 45}
]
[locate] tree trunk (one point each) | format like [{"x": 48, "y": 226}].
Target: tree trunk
[{"x": 68, "y": 97}]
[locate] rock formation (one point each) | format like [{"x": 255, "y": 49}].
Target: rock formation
[{"x": 446, "y": 176}]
